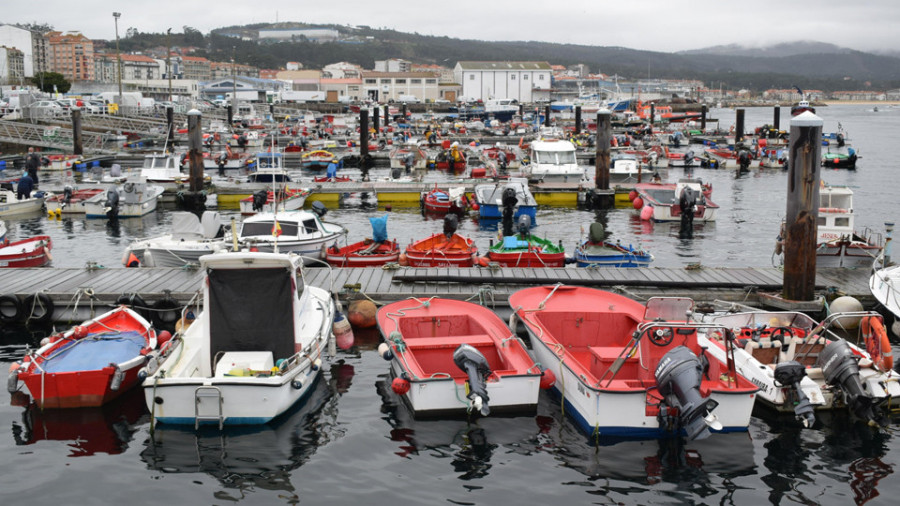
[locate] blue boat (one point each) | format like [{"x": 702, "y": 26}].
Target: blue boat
[
  {"x": 490, "y": 199},
  {"x": 595, "y": 252}
]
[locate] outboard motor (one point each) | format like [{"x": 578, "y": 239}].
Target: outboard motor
[
  {"x": 841, "y": 370},
  {"x": 790, "y": 374},
  {"x": 259, "y": 200},
  {"x": 112, "y": 204},
  {"x": 509, "y": 201},
  {"x": 396, "y": 173},
  {"x": 476, "y": 367},
  {"x": 67, "y": 194},
  {"x": 678, "y": 377},
  {"x": 319, "y": 208},
  {"x": 744, "y": 160},
  {"x": 686, "y": 202},
  {"x": 451, "y": 223},
  {"x": 502, "y": 162},
  {"x": 524, "y": 225}
]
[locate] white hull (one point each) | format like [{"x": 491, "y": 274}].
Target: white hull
[
  {"x": 664, "y": 213},
  {"x": 291, "y": 204},
  {"x": 885, "y": 287},
  {"x": 131, "y": 204},
  {"x": 10, "y": 206},
  {"x": 165, "y": 252}
]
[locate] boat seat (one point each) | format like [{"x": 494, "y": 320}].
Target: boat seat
[
  {"x": 765, "y": 351},
  {"x": 427, "y": 343},
  {"x": 805, "y": 350},
  {"x": 247, "y": 362},
  {"x": 609, "y": 353}
]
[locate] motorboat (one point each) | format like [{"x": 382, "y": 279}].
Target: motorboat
[
  {"x": 624, "y": 168},
  {"x": 446, "y": 249},
  {"x": 838, "y": 243},
  {"x": 629, "y": 369},
  {"x": 10, "y": 205},
  {"x": 370, "y": 252},
  {"x": 408, "y": 157},
  {"x": 317, "y": 160},
  {"x": 128, "y": 200},
  {"x": 252, "y": 352},
  {"x": 553, "y": 160},
  {"x": 71, "y": 200},
  {"x": 452, "y": 357},
  {"x": 302, "y": 232},
  {"x": 885, "y": 287},
  {"x": 90, "y": 364},
  {"x": 191, "y": 238},
  {"x": 840, "y": 159},
  {"x": 30, "y": 252},
  {"x": 438, "y": 202},
  {"x": 263, "y": 201},
  {"x": 520, "y": 248},
  {"x": 268, "y": 167},
  {"x": 596, "y": 251},
  {"x": 492, "y": 197},
  {"x": 668, "y": 202}
]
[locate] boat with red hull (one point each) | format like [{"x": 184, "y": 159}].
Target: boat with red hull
[
  {"x": 438, "y": 202},
  {"x": 69, "y": 202},
  {"x": 31, "y": 252},
  {"x": 90, "y": 364},
  {"x": 367, "y": 253},
  {"x": 441, "y": 250}
]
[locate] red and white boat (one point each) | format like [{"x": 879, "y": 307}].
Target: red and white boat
[
  {"x": 262, "y": 201},
  {"x": 447, "y": 249},
  {"x": 626, "y": 369},
  {"x": 664, "y": 202},
  {"x": 70, "y": 201},
  {"x": 31, "y": 252},
  {"x": 439, "y": 202},
  {"x": 839, "y": 244},
  {"x": 367, "y": 253},
  {"x": 451, "y": 357},
  {"x": 90, "y": 364},
  {"x": 335, "y": 179}
]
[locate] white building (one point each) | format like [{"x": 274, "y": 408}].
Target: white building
[
  {"x": 34, "y": 47},
  {"x": 342, "y": 70},
  {"x": 523, "y": 81},
  {"x": 390, "y": 86},
  {"x": 392, "y": 65}
]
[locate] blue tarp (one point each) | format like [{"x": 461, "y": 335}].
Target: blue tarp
[
  {"x": 96, "y": 351},
  {"x": 379, "y": 228}
]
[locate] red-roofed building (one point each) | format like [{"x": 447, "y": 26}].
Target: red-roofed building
[
  {"x": 72, "y": 55},
  {"x": 195, "y": 67}
]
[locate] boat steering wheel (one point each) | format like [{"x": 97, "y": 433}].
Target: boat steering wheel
[
  {"x": 661, "y": 336},
  {"x": 779, "y": 334}
]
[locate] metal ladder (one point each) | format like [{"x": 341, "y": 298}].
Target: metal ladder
[{"x": 208, "y": 392}]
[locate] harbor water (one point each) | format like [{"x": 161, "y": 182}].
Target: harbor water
[{"x": 353, "y": 441}]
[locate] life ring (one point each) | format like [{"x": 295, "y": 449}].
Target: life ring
[
  {"x": 877, "y": 343},
  {"x": 37, "y": 308},
  {"x": 135, "y": 302},
  {"x": 166, "y": 312},
  {"x": 10, "y": 308}
]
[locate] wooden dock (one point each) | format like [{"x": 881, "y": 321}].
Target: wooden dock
[{"x": 76, "y": 293}]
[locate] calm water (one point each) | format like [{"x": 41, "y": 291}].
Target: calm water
[{"x": 353, "y": 441}]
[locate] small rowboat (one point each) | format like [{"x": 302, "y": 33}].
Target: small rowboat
[
  {"x": 438, "y": 202},
  {"x": 70, "y": 201},
  {"x": 317, "y": 160},
  {"x": 439, "y": 250},
  {"x": 527, "y": 251},
  {"x": 91, "y": 364},
  {"x": 32, "y": 252},
  {"x": 367, "y": 253}
]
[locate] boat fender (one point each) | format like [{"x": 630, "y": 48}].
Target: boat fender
[
  {"x": 135, "y": 302},
  {"x": 548, "y": 379},
  {"x": 317, "y": 364},
  {"x": 877, "y": 343},
  {"x": 384, "y": 351},
  {"x": 38, "y": 308},
  {"x": 343, "y": 332},
  {"x": 400, "y": 386},
  {"x": 297, "y": 383},
  {"x": 117, "y": 378},
  {"x": 10, "y": 308},
  {"x": 12, "y": 382}
]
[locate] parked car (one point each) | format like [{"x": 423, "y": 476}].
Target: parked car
[{"x": 46, "y": 108}]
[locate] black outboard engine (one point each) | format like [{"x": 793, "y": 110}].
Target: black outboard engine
[
  {"x": 678, "y": 377},
  {"x": 67, "y": 194},
  {"x": 396, "y": 173},
  {"x": 409, "y": 161},
  {"x": 451, "y": 223},
  {"x": 523, "y": 225},
  {"x": 509, "y": 202},
  {"x": 790, "y": 374},
  {"x": 259, "y": 200},
  {"x": 686, "y": 202},
  {"x": 319, "y": 208},
  {"x": 744, "y": 160},
  {"x": 841, "y": 370},
  {"x": 476, "y": 367},
  {"x": 502, "y": 162},
  {"x": 112, "y": 204}
]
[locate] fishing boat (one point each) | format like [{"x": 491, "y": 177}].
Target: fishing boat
[
  {"x": 162, "y": 168},
  {"x": 440, "y": 202},
  {"x": 128, "y": 200},
  {"x": 527, "y": 250},
  {"x": 452, "y": 357},
  {"x": 268, "y": 167},
  {"x": 628, "y": 369},
  {"x": 490, "y": 198},
  {"x": 624, "y": 168},
  {"x": 447, "y": 249},
  {"x": 370, "y": 252},
  {"x": 408, "y": 157},
  {"x": 838, "y": 243},
  {"x": 552, "y": 160},
  {"x": 30, "y": 252},
  {"x": 190, "y": 239},
  {"x": 286, "y": 199},
  {"x": 92, "y": 363},
  {"x": 500, "y": 158},
  {"x": 254, "y": 350},
  {"x": 803, "y": 366},
  {"x": 10, "y": 205},
  {"x": 302, "y": 232},
  {"x": 840, "y": 160},
  {"x": 595, "y": 251},
  {"x": 71, "y": 200},
  {"x": 317, "y": 160},
  {"x": 451, "y": 158},
  {"x": 669, "y": 201}
]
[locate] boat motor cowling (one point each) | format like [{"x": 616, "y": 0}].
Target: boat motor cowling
[
  {"x": 476, "y": 367},
  {"x": 112, "y": 203},
  {"x": 523, "y": 225},
  {"x": 319, "y": 208},
  {"x": 259, "y": 200},
  {"x": 678, "y": 377},
  {"x": 67, "y": 194},
  {"x": 841, "y": 369},
  {"x": 790, "y": 374},
  {"x": 509, "y": 198},
  {"x": 451, "y": 223}
]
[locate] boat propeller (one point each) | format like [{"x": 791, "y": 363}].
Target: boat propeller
[
  {"x": 678, "y": 376},
  {"x": 791, "y": 373},
  {"x": 476, "y": 367}
]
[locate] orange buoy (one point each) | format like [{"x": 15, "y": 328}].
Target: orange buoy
[
  {"x": 162, "y": 338},
  {"x": 481, "y": 261},
  {"x": 547, "y": 379},
  {"x": 400, "y": 386},
  {"x": 361, "y": 313},
  {"x": 79, "y": 332},
  {"x": 403, "y": 260},
  {"x": 637, "y": 202},
  {"x": 877, "y": 343},
  {"x": 632, "y": 195}
]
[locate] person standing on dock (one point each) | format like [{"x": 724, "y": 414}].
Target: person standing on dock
[{"x": 32, "y": 162}]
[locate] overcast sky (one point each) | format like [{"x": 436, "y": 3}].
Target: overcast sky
[{"x": 654, "y": 25}]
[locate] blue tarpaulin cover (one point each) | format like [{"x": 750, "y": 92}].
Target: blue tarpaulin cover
[
  {"x": 379, "y": 228},
  {"x": 96, "y": 351}
]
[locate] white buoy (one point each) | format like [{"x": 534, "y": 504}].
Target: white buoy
[
  {"x": 847, "y": 304},
  {"x": 895, "y": 327}
]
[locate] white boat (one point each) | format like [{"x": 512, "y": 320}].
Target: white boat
[
  {"x": 885, "y": 287},
  {"x": 553, "y": 160},
  {"x": 3, "y": 239},
  {"x": 802, "y": 366},
  {"x": 162, "y": 168},
  {"x": 838, "y": 243},
  {"x": 408, "y": 157},
  {"x": 624, "y": 168},
  {"x": 268, "y": 168},
  {"x": 301, "y": 232},
  {"x": 666, "y": 203},
  {"x": 10, "y": 205},
  {"x": 128, "y": 200},
  {"x": 190, "y": 239},
  {"x": 253, "y": 351}
]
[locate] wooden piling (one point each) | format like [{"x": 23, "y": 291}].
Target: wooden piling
[
  {"x": 776, "y": 121},
  {"x": 802, "y": 207},
  {"x": 229, "y": 113},
  {"x": 652, "y": 117},
  {"x": 170, "y": 129},
  {"x": 387, "y": 116},
  {"x": 77, "y": 139},
  {"x": 375, "y": 119},
  {"x": 703, "y": 111},
  {"x": 364, "y": 141},
  {"x": 547, "y": 116},
  {"x": 577, "y": 119},
  {"x": 195, "y": 149},
  {"x": 738, "y": 128},
  {"x": 601, "y": 164}
]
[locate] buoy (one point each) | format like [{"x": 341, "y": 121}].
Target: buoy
[
  {"x": 637, "y": 203},
  {"x": 403, "y": 260},
  {"x": 163, "y": 338},
  {"x": 877, "y": 343},
  {"x": 547, "y": 379},
  {"x": 13, "y": 366},
  {"x": 361, "y": 313},
  {"x": 79, "y": 332},
  {"x": 847, "y": 304},
  {"x": 481, "y": 261},
  {"x": 647, "y": 213},
  {"x": 475, "y": 206},
  {"x": 343, "y": 332},
  {"x": 400, "y": 386},
  {"x": 384, "y": 351},
  {"x": 388, "y": 207},
  {"x": 632, "y": 195}
]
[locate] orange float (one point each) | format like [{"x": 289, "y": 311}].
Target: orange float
[{"x": 877, "y": 343}]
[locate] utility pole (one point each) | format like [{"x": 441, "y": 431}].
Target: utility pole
[
  {"x": 233, "y": 80},
  {"x": 116, "y": 16}
]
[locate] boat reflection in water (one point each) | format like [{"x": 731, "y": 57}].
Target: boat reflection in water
[
  {"x": 107, "y": 429},
  {"x": 259, "y": 457}
]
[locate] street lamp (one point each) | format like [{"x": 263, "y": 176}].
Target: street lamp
[
  {"x": 233, "y": 81},
  {"x": 118, "y": 55},
  {"x": 168, "y": 60}
]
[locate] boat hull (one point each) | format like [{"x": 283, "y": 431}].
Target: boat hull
[
  {"x": 353, "y": 255},
  {"x": 436, "y": 251},
  {"x": 588, "y": 255},
  {"x": 32, "y": 252}
]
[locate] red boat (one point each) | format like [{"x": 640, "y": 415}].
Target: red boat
[
  {"x": 90, "y": 364},
  {"x": 440, "y": 250},
  {"x": 437, "y": 201},
  {"x": 69, "y": 202},
  {"x": 32, "y": 252},
  {"x": 335, "y": 179},
  {"x": 367, "y": 253}
]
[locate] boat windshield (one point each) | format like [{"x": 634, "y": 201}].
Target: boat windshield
[
  {"x": 555, "y": 157},
  {"x": 668, "y": 308},
  {"x": 264, "y": 228}
]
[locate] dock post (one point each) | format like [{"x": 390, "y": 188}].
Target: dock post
[
  {"x": 364, "y": 141},
  {"x": 738, "y": 129},
  {"x": 170, "y": 129},
  {"x": 376, "y": 112},
  {"x": 603, "y": 197},
  {"x": 77, "y": 139},
  {"x": 776, "y": 121},
  {"x": 802, "y": 207},
  {"x": 577, "y": 119},
  {"x": 387, "y": 116},
  {"x": 229, "y": 113},
  {"x": 703, "y": 111},
  {"x": 547, "y": 116},
  {"x": 652, "y": 116},
  {"x": 195, "y": 138}
]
